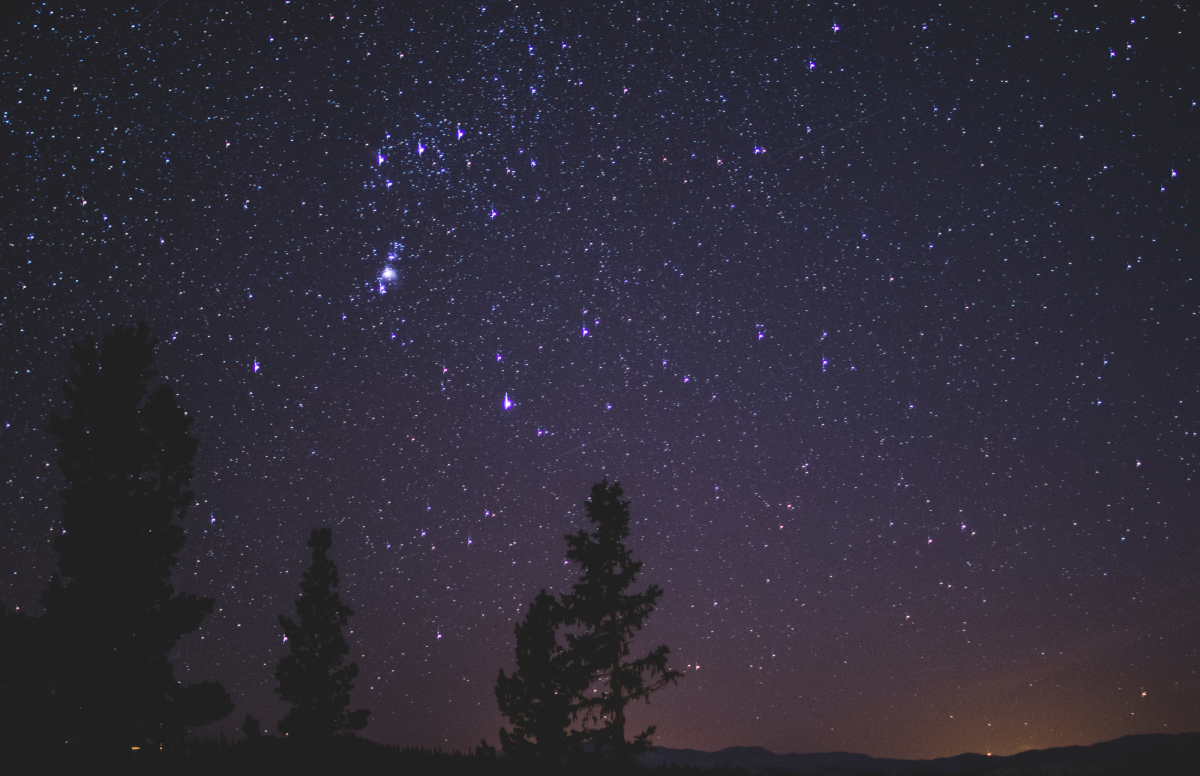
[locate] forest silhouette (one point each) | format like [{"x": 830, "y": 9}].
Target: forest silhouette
[
  {"x": 89, "y": 685},
  {"x": 91, "y": 682}
]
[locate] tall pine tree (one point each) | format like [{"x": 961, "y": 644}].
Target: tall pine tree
[
  {"x": 542, "y": 696},
  {"x": 313, "y": 676},
  {"x": 112, "y": 614},
  {"x": 609, "y": 617}
]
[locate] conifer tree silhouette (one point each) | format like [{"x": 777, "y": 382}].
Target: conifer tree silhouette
[
  {"x": 609, "y": 617},
  {"x": 112, "y": 614},
  {"x": 313, "y": 676},
  {"x": 542, "y": 695},
  {"x": 252, "y": 729}
]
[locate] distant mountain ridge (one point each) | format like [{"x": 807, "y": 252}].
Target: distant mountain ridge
[{"x": 1160, "y": 754}]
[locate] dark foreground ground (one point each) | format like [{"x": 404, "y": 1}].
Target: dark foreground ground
[{"x": 1150, "y": 755}]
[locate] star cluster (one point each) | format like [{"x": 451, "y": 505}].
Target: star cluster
[{"x": 885, "y": 319}]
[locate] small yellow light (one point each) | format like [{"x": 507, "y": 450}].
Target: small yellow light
[{"x": 135, "y": 748}]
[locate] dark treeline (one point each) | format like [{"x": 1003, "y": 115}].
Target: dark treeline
[
  {"x": 90, "y": 681},
  {"x": 352, "y": 755}
]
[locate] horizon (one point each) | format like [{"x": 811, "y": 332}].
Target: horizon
[
  {"x": 882, "y": 318},
  {"x": 754, "y": 748},
  {"x": 945, "y": 757}
]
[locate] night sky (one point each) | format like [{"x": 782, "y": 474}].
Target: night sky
[{"x": 886, "y": 320}]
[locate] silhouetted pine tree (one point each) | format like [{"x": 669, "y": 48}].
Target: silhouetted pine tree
[
  {"x": 314, "y": 676},
  {"x": 609, "y": 617},
  {"x": 252, "y": 729},
  {"x": 112, "y": 613},
  {"x": 542, "y": 695}
]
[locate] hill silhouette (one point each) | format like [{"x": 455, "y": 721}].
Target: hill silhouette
[{"x": 1140, "y": 754}]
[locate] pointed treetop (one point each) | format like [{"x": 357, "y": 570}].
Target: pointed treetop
[{"x": 314, "y": 676}]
